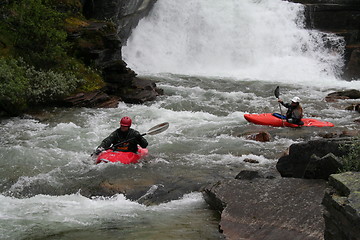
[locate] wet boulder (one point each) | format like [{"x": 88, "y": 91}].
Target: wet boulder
[
  {"x": 91, "y": 99},
  {"x": 314, "y": 159},
  {"x": 140, "y": 91},
  {"x": 342, "y": 207},
  {"x": 251, "y": 174},
  {"x": 272, "y": 209},
  {"x": 347, "y": 94}
]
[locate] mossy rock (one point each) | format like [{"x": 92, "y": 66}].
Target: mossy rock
[{"x": 346, "y": 183}]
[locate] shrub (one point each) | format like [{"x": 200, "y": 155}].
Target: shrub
[
  {"x": 37, "y": 64},
  {"x": 13, "y": 86},
  {"x": 49, "y": 86},
  {"x": 351, "y": 161},
  {"x": 21, "y": 84},
  {"x": 38, "y": 32}
]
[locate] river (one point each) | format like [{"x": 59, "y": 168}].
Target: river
[{"x": 215, "y": 60}]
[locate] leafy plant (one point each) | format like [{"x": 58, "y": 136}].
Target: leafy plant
[
  {"x": 37, "y": 62},
  {"x": 351, "y": 161},
  {"x": 39, "y": 36},
  {"x": 13, "y": 86},
  {"x": 22, "y": 84}
]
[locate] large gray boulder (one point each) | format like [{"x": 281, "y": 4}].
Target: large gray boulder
[{"x": 269, "y": 209}]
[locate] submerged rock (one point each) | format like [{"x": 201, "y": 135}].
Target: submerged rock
[
  {"x": 280, "y": 208},
  {"x": 262, "y": 136}
]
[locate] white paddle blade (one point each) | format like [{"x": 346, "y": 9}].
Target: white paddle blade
[{"x": 158, "y": 128}]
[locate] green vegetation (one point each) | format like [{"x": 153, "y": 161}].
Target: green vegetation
[
  {"x": 351, "y": 161},
  {"x": 22, "y": 85},
  {"x": 37, "y": 61}
]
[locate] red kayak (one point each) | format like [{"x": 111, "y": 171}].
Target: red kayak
[
  {"x": 123, "y": 157},
  {"x": 270, "y": 120}
]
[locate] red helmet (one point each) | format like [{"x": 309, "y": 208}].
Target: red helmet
[{"x": 125, "y": 121}]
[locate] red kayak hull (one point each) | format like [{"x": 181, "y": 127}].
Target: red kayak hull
[
  {"x": 122, "y": 157},
  {"x": 270, "y": 120}
]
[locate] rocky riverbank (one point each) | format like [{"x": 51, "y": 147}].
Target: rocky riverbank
[
  {"x": 254, "y": 206},
  {"x": 99, "y": 43},
  {"x": 85, "y": 55},
  {"x": 342, "y": 207}
]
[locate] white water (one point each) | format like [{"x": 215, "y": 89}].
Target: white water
[
  {"x": 43, "y": 217},
  {"x": 222, "y": 59},
  {"x": 247, "y": 39}
]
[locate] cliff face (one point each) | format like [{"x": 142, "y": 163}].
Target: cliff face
[
  {"x": 341, "y": 17},
  {"x": 99, "y": 43},
  {"x": 125, "y": 13}
]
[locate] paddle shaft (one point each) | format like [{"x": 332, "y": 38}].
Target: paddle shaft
[
  {"x": 152, "y": 131},
  {"x": 277, "y": 95},
  {"x": 125, "y": 141}
]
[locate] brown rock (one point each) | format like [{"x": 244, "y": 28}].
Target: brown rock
[
  {"x": 91, "y": 99},
  {"x": 251, "y": 160},
  {"x": 260, "y": 137},
  {"x": 141, "y": 90}
]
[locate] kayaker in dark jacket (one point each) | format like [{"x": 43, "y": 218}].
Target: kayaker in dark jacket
[
  {"x": 294, "y": 112},
  {"x": 128, "y": 138}
]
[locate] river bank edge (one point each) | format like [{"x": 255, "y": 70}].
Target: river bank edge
[{"x": 307, "y": 205}]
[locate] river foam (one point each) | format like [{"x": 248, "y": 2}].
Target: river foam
[{"x": 241, "y": 39}]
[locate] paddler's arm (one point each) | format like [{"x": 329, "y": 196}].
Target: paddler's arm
[
  {"x": 106, "y": 143},
  {"x": 284, "y": 104},
  {"x": 141, "y": 140}
]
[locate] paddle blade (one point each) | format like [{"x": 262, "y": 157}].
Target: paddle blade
[
  {"x": 158, "y": 128},
  {"x": 277, "y": 92}
]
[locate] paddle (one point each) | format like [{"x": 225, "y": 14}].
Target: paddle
[
  {"x": 277, "y": 94},
  {"x": 152, "y": 131}
]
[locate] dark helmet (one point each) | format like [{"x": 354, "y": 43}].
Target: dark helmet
[{"x": 126, "y": 122}]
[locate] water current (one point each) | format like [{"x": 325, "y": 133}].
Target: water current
[{"x": 216, "y": 61}]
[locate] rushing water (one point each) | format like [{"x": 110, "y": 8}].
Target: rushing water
[{"x": 215, "y": 60}]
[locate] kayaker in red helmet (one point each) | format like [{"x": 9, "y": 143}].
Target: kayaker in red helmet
[
  {"x": 123, "y": 139},
  {"x": 294, "y": 112}
]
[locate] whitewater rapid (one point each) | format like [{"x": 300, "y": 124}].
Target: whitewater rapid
[{"x": 215, "y": 61}]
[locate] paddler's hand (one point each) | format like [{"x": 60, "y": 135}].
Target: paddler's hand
[
  {"x": 280, "y": 101},
  {"x": 98, "y": 150}
]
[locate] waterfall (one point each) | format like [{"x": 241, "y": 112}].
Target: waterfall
[{"x": 247, "y": 39}]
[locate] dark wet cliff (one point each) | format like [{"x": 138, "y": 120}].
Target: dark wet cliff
[
  {"x": 341, "y": 17},
  {"x": 101, "y": 47},
  {"x": 126, "y": 14}
]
